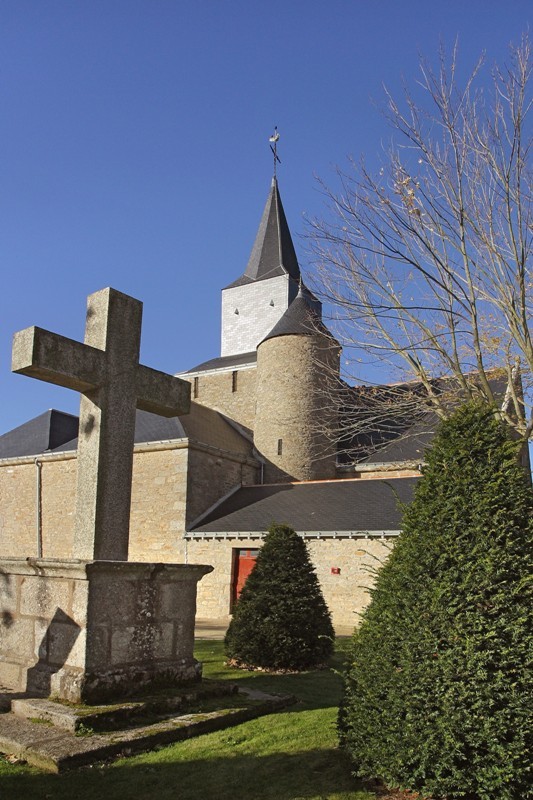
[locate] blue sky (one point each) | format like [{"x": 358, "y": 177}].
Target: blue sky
[{"x": 134, "y": 146}]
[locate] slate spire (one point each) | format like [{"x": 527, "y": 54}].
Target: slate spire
[
  {"x": 273, "y": 252},
  {"x": 254, "y": 303}
]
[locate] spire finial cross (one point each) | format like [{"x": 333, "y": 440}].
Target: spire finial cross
[{"x": 274, "y": 147}]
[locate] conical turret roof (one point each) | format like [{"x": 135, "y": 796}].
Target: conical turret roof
[
  {"x": 273, "y": 252},
  {"x": 300, "y": 318}
]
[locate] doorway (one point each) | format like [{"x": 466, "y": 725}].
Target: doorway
[{"x": 243, "y": 563}]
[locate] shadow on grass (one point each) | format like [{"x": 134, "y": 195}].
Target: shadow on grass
[
  {"x": 233, "y": 765},
  {"x": 314, "y": 689},
  {"x": 313, "y": 774}
]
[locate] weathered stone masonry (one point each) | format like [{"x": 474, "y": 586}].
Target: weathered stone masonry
[
  {"x": 345, "y": 591},
  {"x": 232, "y": 392},
  {"x": 89, "y": 631},
  {"x": 162, "y": 483}
]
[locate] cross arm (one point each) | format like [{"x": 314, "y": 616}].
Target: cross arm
[
  {"x": 56, "y": 359},
  {"x": 161, "y": 393}
]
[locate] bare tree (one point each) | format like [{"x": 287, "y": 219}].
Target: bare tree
[{"x": 426, "y": 265}]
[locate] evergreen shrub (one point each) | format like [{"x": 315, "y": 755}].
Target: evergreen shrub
[
  {"x": 281, "y": 620},
  {"x": 437, "y": 696}
]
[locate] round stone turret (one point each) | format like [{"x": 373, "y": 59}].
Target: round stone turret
[{"x": 297, "y": 370}]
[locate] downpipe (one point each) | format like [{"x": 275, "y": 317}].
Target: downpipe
[{"x": 38, "y": 507}]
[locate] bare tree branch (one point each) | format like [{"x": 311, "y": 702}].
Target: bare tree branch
[{"x": 425, "y": 265}]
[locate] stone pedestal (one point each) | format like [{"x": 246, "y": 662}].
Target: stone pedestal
[{"x": 88, "y": 631}]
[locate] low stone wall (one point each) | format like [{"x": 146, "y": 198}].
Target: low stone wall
[{"x": 89, "y": 631}]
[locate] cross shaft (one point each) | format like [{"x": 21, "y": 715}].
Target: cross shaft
[{"x": 106, "y": 370}]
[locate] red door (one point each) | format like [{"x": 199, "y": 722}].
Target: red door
[{"x": 243, "y": 564}]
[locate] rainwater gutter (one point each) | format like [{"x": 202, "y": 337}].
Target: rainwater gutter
[
  {"x": 388, "y": 466},
  {"x": 229, "y": 535}
]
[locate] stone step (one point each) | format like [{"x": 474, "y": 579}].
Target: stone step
[
  {"x": 52, "y": 749},
  {"x": 113, "y": 716}
]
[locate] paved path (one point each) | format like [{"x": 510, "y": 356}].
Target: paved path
[
  {"x": 216, "y": 628},
  {"x": 210, "y": 628}
]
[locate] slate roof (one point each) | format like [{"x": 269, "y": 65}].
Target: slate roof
[
  {"x": 224, "y": 362},
  {"x": 56, "y": 431},
  {"x": 40, "y": 435},
  {"x": 409, "y": 446},
  {"x": 388, "y": 433},
  {"x": 273, "y": 252},
  {"x": 338, "y": 505}
]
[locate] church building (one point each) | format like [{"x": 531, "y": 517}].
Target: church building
[{"x": 254, "y": 450}]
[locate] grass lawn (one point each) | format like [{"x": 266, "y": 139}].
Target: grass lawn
[{"x": 284, "y": 756}]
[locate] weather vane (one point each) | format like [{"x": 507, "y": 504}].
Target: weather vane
[{"x": 274, "y": 147}]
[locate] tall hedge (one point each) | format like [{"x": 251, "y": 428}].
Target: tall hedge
[
  {"x": 437, "y": 697},
  {"x": 281, "y": 620}
]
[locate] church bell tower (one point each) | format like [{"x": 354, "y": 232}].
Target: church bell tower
[{"x": 256, "y": 301}]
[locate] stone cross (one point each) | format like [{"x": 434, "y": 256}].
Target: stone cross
[{"x": 106, "y": 370}]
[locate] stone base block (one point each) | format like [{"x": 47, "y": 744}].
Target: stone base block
[
  {"x": 88, "y": 631},
  {"x": 77, "y": 686}
]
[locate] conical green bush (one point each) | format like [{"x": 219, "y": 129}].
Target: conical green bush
[
  {"x": 437, "y": 696},
  {"x": 281, "y": 620}
]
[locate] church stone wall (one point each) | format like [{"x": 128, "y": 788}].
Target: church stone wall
[
  {"x": 293, "y": 412},
  {"x": 171, "y": 485},
  {"x": 158, "y": 501},
  {"x": 249, "y": 313},
  {"x": 160, "y": 493},
  {"x": 19, "y": 498},
  {"x": 157, "y": 505},
  {"x": 17, "y": 511},
  {"x": 232, "y": 396},
  {"x": 211, "y": 477},
  {"x": 58, "y": 503},
  {"x": 214, "y": 596},
  {"x": 345, "y": 591}
]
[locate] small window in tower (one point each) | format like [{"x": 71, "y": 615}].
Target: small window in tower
[
  {"x": 195, "y": 388},
  {"x": 234, "y": 380},
  {"x": 280, "y": 447}
]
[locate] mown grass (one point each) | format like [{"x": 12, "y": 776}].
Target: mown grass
[{"x": 291, "y": 755}]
